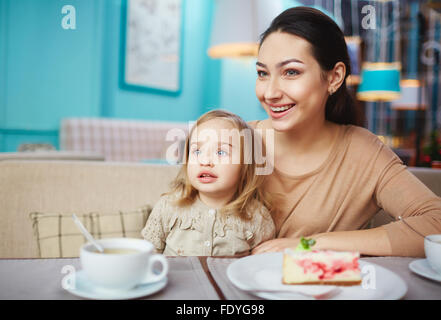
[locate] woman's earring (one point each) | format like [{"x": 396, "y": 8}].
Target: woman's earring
[{"x": 331, "y": 92}]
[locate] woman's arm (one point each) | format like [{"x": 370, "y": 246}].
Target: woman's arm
[
  {"x": 368, "y": 242},
  {"x": 400, "y": 193}
]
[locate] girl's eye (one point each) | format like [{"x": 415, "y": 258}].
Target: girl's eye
[
  {"x": 291, "y": 72},
  {"x": 221, "y": 153},
  {"x": 196, "y": 152},
  {"x": 261, "y": 73}
]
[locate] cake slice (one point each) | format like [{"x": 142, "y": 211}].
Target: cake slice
[{"x": 320, "y": 267}]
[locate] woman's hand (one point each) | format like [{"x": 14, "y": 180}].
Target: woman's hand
[{"x": 275, "y": 245}]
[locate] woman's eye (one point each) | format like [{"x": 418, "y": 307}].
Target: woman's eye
[
  {"x": 221, "y": 153},
  {"x": 291, "y": 72},
  {"x": 261, "y": 73},
  {"x": 196, "y": 152}
]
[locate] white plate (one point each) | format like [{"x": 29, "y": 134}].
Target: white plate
[
  {"x": 265, "y": 271},
  {"x": 83, "y": 288},
  {"x": 422, "y": 268}
]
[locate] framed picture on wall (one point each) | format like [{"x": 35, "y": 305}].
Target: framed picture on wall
[
  {"x": 152, "y": 53},
  {"x": 354, "y": 50}
]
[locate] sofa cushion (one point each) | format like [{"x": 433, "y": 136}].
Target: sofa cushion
[
  {"x": 77, "y": 187},
  {"x": 56, "y": 234}
]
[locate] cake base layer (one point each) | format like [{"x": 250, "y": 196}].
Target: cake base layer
[{"x": 329, "y": 283}]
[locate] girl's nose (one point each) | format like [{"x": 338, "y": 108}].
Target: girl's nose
[{"x": 205, "y": 160}]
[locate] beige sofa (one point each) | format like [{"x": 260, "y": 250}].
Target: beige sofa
[{"x": 83, "y": 186}]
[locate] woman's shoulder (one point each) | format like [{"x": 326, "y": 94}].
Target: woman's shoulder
[
  {"x": 366, "y": 146},
  {"x": 361, "y": 132},
  {"x": 260, "y": 124},
  {"x": 361, "y": 137},
  {"x": 253, "y": 124}
]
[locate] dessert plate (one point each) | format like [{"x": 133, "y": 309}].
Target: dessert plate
[
  {"x": 264, "y": 271},
  {"x": 83, "y": 288},
  {"x": 422, "y": 268}
]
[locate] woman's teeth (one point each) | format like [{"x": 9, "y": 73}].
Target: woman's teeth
[{"x": 284, "y": 108}]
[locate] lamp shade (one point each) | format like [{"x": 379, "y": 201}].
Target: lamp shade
[
  {"x": 237, "y": 26},
  {"x": 410, "y": 96},
  {"x": 380, "y": 81}
]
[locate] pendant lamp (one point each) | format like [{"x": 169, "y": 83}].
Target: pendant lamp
[
  {"x": 237, "y": 26},
  {"x": 380, "y": 81},
  {"x": 410, "y": 99}
]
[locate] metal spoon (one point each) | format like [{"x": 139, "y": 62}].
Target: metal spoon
[
  {"x": 417, "y": 232},
  {"x": 86, "y": 233}
]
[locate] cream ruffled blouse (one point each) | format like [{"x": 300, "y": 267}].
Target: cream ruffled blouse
[{"x": 199, "y": 230}]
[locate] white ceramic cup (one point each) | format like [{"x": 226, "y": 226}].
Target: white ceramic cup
[
  {"x": 433, "y": 251},
  {"x": 114, "y": 271}
]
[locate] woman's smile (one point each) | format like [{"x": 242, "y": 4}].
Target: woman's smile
[{"x": 279, "y": 111}]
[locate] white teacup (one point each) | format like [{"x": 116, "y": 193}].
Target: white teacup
[
  {"x": 130, "y": 262},
  {"x": 433, "y": 251}
]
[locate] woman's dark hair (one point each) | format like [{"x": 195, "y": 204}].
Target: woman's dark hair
[{"x": 328, "y": 48}]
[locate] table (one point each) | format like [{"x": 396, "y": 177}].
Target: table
[
  {"x": 52, "y": 155},
  {"x": 418, "y": 288},
  {"x": 29, "y": 279},
  {"x": 190, "y": 278}
]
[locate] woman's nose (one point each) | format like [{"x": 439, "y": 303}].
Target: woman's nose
[{"x": 272, "y": 90}]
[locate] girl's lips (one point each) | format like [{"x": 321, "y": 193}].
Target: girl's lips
[
  {"x": 278, "y": 115},
  {"x": 206, "y": 177}
]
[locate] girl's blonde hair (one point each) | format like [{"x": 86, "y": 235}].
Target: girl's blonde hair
[{"x": 249, "y": 186}]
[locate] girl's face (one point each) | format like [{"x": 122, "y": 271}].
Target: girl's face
[
  {"x": 290, "y": 83},
  {"x": 213, "y": 168}
]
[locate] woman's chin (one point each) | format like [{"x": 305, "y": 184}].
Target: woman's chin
[{"x": 282, "y": 125}]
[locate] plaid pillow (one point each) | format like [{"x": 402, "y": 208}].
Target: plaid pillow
[{"x": 57, "y": 236}]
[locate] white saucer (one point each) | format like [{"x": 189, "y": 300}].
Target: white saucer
[
  {"x": 83, "y": 288},
  {"x": 422, "y": 267}
]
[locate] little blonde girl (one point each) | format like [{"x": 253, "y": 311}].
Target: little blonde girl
[{"x": 217, "y": 206}]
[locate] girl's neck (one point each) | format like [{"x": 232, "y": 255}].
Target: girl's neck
[{"x": 215, "y": 201}]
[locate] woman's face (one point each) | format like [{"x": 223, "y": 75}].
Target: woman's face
[{"x": 290, "y": 83}]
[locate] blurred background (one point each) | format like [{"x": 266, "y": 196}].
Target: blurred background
[{"x": 120, "y": 80}]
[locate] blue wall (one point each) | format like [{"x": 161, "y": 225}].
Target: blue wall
[
  {"x": 48, "y": 73},
  {"x": 237, "y": 88}
]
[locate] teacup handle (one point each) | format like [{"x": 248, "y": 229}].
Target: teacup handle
[{"x": 151, "y": 276}]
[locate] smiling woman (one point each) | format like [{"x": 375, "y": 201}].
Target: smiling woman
[{"x": 333, "y": 174}]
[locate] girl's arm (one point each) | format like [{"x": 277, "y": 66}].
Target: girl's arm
[{"x": 154, "y": 230}]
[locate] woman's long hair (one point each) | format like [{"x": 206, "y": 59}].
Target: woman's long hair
[
  {"x": 249, "y": 185},
  {"x": 328, "y": 48}
]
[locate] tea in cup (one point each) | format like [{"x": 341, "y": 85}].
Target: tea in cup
[
  {"x": 125, "y": 263},
  {"x": 432, "y": 248}
]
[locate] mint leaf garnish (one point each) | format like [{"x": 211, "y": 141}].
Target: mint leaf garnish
[{"x": 305, "y": 244}]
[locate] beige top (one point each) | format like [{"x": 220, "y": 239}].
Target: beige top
[
  {"x": 360, "y": 176},
  {"x": 199, "y": 230}
]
